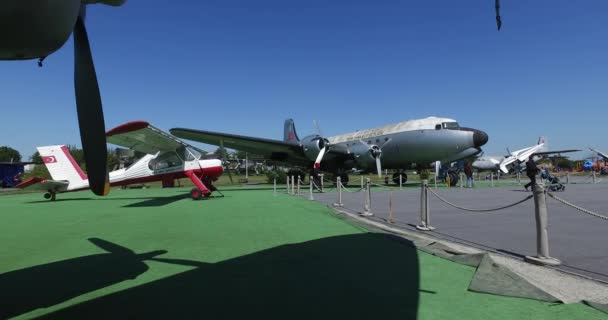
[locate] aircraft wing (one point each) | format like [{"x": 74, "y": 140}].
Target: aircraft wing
[
  {"x": 601, "y": 154},
  {"x": 272, "y": 149},
  {"x": 143, "y": 137},
  {"x": 544, "y": 153},
  {"x": 42, "y": 184}
]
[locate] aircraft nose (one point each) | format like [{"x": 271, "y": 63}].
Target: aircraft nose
[{"x": 479, "y": 138}]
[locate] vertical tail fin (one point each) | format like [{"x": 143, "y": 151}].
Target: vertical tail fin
[
  {"x": 289, "y": 132},
  {"x": 61, "y": 165},
  {"x": 543, "y": 140}
]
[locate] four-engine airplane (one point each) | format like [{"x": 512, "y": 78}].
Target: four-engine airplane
[
  {"x": 414, "y": 143},
  {"x": 515, "y": 158},
  {"x": 167, "y": 158}
]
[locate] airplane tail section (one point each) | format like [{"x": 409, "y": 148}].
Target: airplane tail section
[
  {"x": 545, "y": 145},
  {"x": 289, "y": 132},
  {"x": 61, "y": 165}
]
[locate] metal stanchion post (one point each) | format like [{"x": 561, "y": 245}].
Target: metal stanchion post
[
  {"x": 400, "y": 181},
  {"x": 311, "y": 197},
  {"x": 461, "y": 180},
  {"x": 567, "y": 177},
  {"x": 288, "y": 184},
  {"x": 293, "y": 185},
  {"x": 594, "y": 181},
  {"x": 367, "y": 200},
  {"x": 492, "y": 179},
  {"x": 390, "y": 207},
  {"x": 361, "y": 182},
  {"x": 425, "y": 224},
  {"x": 299, "y": 182},
  {"x": 321, "y": 176},
  {"x": 339, "y": 185},
  {"x": 435, "y": 180},
  {"x": 518, "y": 177},
  {"x": 542, "y": 238}
]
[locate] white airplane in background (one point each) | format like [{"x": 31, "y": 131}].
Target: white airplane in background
[
  {"x": 167, "y": 158},
  {"x": 515, "y": 158},
  {"x": 601, "y": 154}
]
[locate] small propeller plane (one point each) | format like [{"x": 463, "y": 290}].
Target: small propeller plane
[
  {"x": 167, "y": 158},
  {"x": 414, "y": 143},
  {"x": 515, "y": 158}
]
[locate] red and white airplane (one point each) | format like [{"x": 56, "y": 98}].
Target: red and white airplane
[{"x": 167, "y": 158}]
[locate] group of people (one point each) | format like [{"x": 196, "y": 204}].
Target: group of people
[{"x": 531, "y": 171}]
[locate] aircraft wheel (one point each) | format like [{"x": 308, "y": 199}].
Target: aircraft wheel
[
  {"x": 396, "y": 177},
  {"x": 47, "y": 195},
  {"x": 196, "y": 194}
]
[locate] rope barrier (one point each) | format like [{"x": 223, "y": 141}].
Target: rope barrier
[
  {"x": 479, "y": 210},
  {"x": 597, "y": 215}
]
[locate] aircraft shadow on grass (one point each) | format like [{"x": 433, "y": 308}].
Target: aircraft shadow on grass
[
  {"x": 350, "y": 276},
  {"x": 147, "y": 201}
]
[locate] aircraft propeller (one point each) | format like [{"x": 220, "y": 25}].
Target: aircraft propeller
[
  {"x": 376, "y": 153},
  {"x": 224, "y": 157},
  {"x": 498, "y": 20},
  {"x": 89, "y": 110}
]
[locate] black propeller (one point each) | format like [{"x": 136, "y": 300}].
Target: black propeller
[
  {"x": 224, "y": 157},
  {"x": 498, "y": 21},
  {"x": 90, "y": 111}
]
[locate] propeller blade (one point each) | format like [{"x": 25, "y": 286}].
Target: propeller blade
[
  {"x": 319, "y": 158},
  {"x": 90, "y": 112},
  {"x": 224, "y": 156},
  {"x": 111, "y": 247},
  {"x": 379, "y": 167},
  {"x": 498, "y": 20},
  {"x": 317, "y": 128}
]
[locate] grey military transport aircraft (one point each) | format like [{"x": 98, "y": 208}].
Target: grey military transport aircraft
[{"x": 410, "y": 144}]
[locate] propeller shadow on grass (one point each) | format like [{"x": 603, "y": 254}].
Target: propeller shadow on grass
[
  {"x": 342, "y": 277},
  {"x": 45, "y": 285}
]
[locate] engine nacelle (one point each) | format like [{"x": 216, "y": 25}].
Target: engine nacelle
[
  {"x": 365, "y": 155},
  {"x": 312, "y": 146}
]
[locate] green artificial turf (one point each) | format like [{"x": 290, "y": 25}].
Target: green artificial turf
[{"x": 155, "y": 253}]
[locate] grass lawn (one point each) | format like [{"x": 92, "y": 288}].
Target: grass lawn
[{"x": 155, "y": 253}]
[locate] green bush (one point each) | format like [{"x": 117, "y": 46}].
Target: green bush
[
  {"x": 424, "y": 174},
  {"x": 280, "y": 175}
]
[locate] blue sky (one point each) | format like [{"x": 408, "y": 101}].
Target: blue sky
[{"x": 244, "y": 66}]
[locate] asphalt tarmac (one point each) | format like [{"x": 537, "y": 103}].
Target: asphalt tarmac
[{"x": 579, "y": 240}]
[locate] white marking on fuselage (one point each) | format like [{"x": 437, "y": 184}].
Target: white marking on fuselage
[{"x": 411, "y": 125}]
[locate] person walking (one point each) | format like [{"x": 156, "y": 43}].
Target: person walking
[
  {"x": 468, "y": 171},
  {"x": 531, "y": 171}
]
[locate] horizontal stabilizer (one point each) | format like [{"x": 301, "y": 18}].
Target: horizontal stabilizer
[
  {"x": 36, "y": 183},
  {"x": 503, "y": 168}
]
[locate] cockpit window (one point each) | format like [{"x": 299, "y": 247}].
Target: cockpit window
[
  {"x": 438, "y": 127},
  {"x": 192, "y": 154},
  {"x": 451, "y": 125}
]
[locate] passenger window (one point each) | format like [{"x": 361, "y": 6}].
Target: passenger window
[{"x": 438, "y": 127}]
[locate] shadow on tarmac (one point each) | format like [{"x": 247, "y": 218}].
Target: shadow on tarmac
[{"x": 351, "y": 276}]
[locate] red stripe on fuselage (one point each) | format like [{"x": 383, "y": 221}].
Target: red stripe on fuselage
[
  {"x": 213, "y": 172},
  {"x": 81, "y": 173}
]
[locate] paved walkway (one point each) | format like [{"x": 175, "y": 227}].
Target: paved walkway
[{"x": 578, "y": 239}]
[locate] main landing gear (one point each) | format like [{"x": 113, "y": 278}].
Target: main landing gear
[
  {"x": 50, "y": 195},
  {"x": 200, "y": 191}
]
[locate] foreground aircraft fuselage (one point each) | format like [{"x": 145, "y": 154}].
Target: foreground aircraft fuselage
[
  {"x": 167, "y": 158},
  {"x": 410, "y": 144},
  {"x": 68, "y": 176}
]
